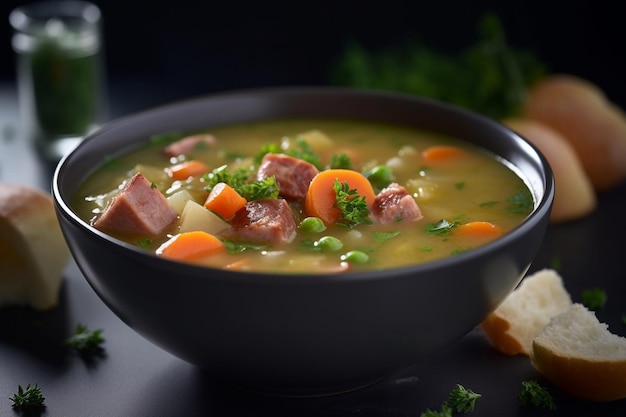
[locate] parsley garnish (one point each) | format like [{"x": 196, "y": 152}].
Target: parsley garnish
[
  {"x": 266, "y": 188},
  {"x": 238, "y": 247},
  {"x": 462, "y": 400},
  {"x": 442, "y": 227},
  {"x": 534, "y": 394},
  {"x": 353, "y": 206},
  {"x": 340, "y": 161},
  {"x": 29, "y": 397},
  {"x": 384, "y": 236},
  {"x": 521, "y": 202},
  {"x": 594, "y": 299},
  {"x": 85, "y": 340},
  {"x": 301, "y": 150}
]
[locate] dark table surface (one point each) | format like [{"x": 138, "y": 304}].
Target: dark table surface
[{"x": 135, "y": 378}]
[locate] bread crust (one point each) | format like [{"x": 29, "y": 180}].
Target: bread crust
[
  {"x": 581, "y": 356},
  {"x": 35, "y": 252}
]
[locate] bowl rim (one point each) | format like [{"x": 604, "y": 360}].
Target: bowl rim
[{"x": 541, "y": 209}]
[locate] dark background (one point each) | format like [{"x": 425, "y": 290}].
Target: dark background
[{"x": 181, "y": 48}]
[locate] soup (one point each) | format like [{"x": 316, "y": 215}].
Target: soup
[{"x": 305, "y": 195}]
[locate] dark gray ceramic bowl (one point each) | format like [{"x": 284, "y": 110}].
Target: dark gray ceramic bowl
[{"x": 313, "y": 334}]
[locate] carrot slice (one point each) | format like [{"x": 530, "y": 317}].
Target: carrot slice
[
  {"x": 191, "y": 246},
  {"x": 187, "y": 169},
  {"x": 441, "y": 153},
  {"x": 479, "y": 229},
  {"x": 321, "y": 198},
  {"x": 224, "y": 200}
]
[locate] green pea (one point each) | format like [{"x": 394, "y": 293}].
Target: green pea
[
  {"x": 312, "y": 225},
  {"x": 380, "y": 175},
  {"x": 329, "y": 243},
  {"x": 355, "y": 257}
]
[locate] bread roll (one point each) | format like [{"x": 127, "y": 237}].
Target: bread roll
[
  {"x": 581, "y": 112},
  {"x": 581, "y": 356},
  {"x": 512, "y": 327},
  {"x": 574, "y": 195},
  {"x": 33, "y": 250}
]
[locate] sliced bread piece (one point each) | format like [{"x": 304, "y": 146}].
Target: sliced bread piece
[
  {"x": 33, "y": 252},
  {"x": 578, "y": 354},
  {"x": 512, "y": 327}
]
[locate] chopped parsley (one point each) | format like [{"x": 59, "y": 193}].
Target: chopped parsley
[
  {"x": 531, "y": 393},
  {"x": 462, "y": 400},
  {"x": 340, "y": 161},
  {"x": 442, "y": 227},
  {"x": 266, "y": 188},
  {"x": 354, "y": 210},
  {"x": 384, "y": 236},
  {"x": 84, "y": 340},
  {"x": 520, "y": 203},
  {"x": 594, "y": 299}
]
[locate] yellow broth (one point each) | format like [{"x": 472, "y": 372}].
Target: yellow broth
[{"x": 476, "y": 187}]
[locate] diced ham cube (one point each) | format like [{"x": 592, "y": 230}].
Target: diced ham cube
[
  {"x": 263, "y": 221},
  {"x": 138, "y": 209},
  {"x": 394, "y": 203},
  {"x": 293, "y": 175},
  {"x": 187, "y": 144}
]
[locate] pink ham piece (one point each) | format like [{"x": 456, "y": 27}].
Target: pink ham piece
[
  {"x": 394, "y": 203},
  {"x": 263, "y": 221},
  {"x": 187, "y": 144},
  {"x": 293, "y": 175},
  {"x": 138, "y": 209}
]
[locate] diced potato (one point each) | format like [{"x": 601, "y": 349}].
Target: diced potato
[
  {"x": 196, "y": 217},
  {"x": 179, "y": 199},
  {"x": 317, "y": 140}
]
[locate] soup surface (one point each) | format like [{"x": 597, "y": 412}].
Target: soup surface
[{"x": 305, "y": 196}]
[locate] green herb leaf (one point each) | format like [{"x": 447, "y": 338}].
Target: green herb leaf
[
  {"x": 520, "y": 203},
  {"x": 354, "y": 210},
  {"x": 531, "y": 393},
  {"x": 239, "y": 247},
  {"x": 462, "y": 400},
  {"x": 266, "y": 188},
  {"x": 489, "y": 76},
  {"x": 29, "y": 397},
  {"x": 340, "y": 161},
  {"x": 85, "y": 340},
  {"x": 384, "y": 236},
  {"x": 594, "y": 299},
  {"x": 442, "y": 227},
  {"x": 445, "y": 412}
]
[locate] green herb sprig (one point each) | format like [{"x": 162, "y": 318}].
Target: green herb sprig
[
  {"x": 594, "y": 298},
  {"x": 29, "y": 397},
  {"x": 462, "y": 400},
  {"x": 85, "y": 341},
  {"x": 354, "y": 210},
  {"x": 531, "y": 393}
]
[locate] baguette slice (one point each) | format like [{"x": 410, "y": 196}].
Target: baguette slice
[
  {"x": 33, "y": 252},
  {"x": 581, "y": 356},
  {"x": 512, "y": 327}
]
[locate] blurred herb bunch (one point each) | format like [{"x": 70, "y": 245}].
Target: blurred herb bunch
[{"x": 489, "y": 77}]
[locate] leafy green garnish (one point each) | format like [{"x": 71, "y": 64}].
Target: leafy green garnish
[
  {"x": 301, "y": 150},
  {"x": 462, "y": 400},
  {"x": 459, "y": 185},
  {"x": 29, "y": 397},
  {"x": 486, "y": 204},
  {"x": 444, "y": 412},
  {"x": 340, "y": 161},
  {"x": 594, "y": 299},
  {"x": 354, "y": 210},
  {"x": 531, "y": 393},
  {"x": 520, "y": 203},
  {"x": 489, "y": 76},
  {"x": 384, "y": 236},
  {"x": 238, "y": 247},
  {"x": 442, "y": 227},
  {"x": 85, "y": 340},
  {"x": 266, "y": 188}
]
